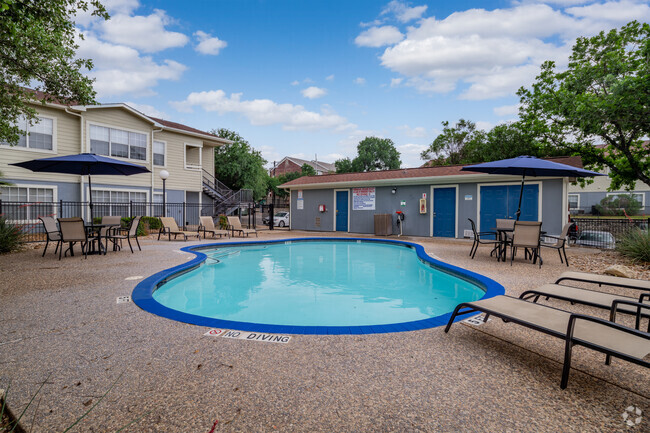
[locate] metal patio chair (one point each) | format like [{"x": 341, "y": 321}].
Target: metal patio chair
[{"x": 52, "y": 232}]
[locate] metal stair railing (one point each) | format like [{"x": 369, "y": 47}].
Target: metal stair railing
[{"x": 214, "y": 185}]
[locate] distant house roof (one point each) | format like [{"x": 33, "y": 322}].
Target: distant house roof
[
  {"x": 403, "y": 174},
  {"x": 317, "y": 165}
]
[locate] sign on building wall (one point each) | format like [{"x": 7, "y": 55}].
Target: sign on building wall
[{"x": 363, "y": 198}]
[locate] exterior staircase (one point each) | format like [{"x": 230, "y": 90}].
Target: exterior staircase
[{"x": 226, "y": 201}]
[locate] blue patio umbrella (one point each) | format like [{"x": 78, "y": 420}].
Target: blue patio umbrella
[
  {"x": 83, "y": 164},
  {"x": 529, "y": 166}
]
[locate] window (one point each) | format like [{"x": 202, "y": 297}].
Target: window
[
  {"x": 638, "y": 196},
  {"x": 574, "y": 201},
  {"x": 193, "y": 156},
  {"x": 159, "y": 153},
  {"x": 39, "y": 136},
  {"x": 118, "y": 143},
  {"x": 122, "y": 203},
  {"x": 22, "y": 203}
]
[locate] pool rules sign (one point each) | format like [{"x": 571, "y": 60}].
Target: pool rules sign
[{"x": 363, "y": 198}]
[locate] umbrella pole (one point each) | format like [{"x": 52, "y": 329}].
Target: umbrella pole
[
  {"x": 521, "y": 194},
  {"x": 90, "y": 199}
]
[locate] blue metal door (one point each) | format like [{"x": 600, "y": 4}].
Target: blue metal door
[
  {"x": 444, "y": 212},
  {"x": 341, "y": 211},
  {"x": 501, "y": 202}
]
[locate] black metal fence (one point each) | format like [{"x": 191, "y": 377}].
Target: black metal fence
[
  {"x": 604, "y": 232},
  {"x": 26, "y": 214}
]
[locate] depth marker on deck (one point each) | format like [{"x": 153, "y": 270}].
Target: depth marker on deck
[
  {"x": 476, "y": 320},
  {"x": 250, "y": 336},
  {"x": 123, "y": 299}
]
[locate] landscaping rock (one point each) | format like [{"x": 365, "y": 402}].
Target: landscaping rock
[{"x": 620, "y": 271}]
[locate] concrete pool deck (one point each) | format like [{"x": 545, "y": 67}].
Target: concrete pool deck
[{"x": 60, "y": 322}]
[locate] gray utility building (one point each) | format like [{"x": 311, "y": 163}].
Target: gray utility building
[{"x": 435, "y": 201}]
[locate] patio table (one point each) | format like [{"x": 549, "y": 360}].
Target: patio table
[
  {"x": 502, "y": 244},
  {"x": 97, "y": 228}
]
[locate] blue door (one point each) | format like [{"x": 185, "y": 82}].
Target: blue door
[
  {"x": 341, "y": 211},
  {"x": 501, "y": 202},
  {"x": 444, "y": 212}
]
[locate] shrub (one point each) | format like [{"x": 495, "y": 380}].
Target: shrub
[
  {"x": 223, "y": 222},
  {"x": 619, "y": 205},
  {"x": 11, "y": 236},
  {"x": 635, "y": 244}
]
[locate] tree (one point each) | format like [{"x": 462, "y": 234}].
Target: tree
[
  {"x": 37, "y": 44},
  {"x": 603, "y": 96},
  {"x": 238, "y": 165},
  {"x": 449, "y": 146},
  {"x": 305, "y": 170},
  {"x": 373, "y": 153}
]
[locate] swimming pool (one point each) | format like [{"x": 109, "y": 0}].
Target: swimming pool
[{"x": 312, "y": 286}]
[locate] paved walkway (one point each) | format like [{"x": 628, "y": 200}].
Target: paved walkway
[{"x": 60, "y": 322}]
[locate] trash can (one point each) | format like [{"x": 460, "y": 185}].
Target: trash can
[{"x": 383, "y": 224}]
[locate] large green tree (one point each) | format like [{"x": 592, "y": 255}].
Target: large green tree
[
  {"x": 602, "y": 97},
  {"x": 449, "y": 146},
  {"x": 373, "y": 153},
  {"x": 274, "y": 182},
  {"x": 37, "y": 45},
  {"x": 238, "y": 165}
]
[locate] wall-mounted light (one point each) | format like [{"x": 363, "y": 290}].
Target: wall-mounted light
[{"x": 394, "y": 190}]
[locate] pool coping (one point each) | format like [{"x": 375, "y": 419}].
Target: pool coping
[{"x": 142, "y": 294}]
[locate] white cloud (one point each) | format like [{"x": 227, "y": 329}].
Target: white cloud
[
  {"x": 295, "y": 82},
  {"x": 265, "y": 111},
  {"x": 483, "y": 125},
  {"x": 330, "y": 77},
  {"x": 394, "y": 82},
  {"x": 403, "y": 12},
  {"x": 379, "y": 37},
  {"x": 313, "y": 92},
  {"x": 120, "y": 69},
  {"x": 360, "y": 81},
  {"x": 410, "y": 154},
  {"x": 149, "y": 110},
  {"x": 507, "y": 110},
  {"x": 492, "y": 53},
  {"x": 417, "y": 132},
  {"x": 146, "y": 33},
  {"x": 121, "y": 6},
  {"x": 209, "y": 44},
  {"x": 371, "y": 23}
]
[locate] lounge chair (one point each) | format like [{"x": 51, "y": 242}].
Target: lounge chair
[
  {"x": 52, "y": 232},
  {"x": 73, "y": 230},
  {"x": 608, "y": 280},
  {"x": 479, "y": 241},
  {"x": 235, "y": 226},
  {"x": 131, "y": 232},
  {"x": 526, "y": 235},
  {"x": 207, "y": 226},
  {"x": 594, "y": 333},
  {"x": 169, "y": 226},
  {"x": 560, "y": 242},
  {"x": 587, "y": 297}
]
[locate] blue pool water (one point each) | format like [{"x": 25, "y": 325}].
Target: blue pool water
[{"x": 316, "y": 284}]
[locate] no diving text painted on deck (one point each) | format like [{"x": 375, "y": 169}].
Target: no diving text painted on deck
[{"x": 251, "y": 336}]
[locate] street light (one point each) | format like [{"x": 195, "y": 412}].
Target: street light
[{"x": 164, "y": 174}]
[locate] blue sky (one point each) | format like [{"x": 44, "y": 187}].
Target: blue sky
[{"x": 305, "y": 78}]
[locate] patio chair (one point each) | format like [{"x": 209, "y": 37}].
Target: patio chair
[
  {"x": 207, "y": 226},
  {"x": 169, "y": 226},
  {"x": 106, "y": 232},
  {"x": 608, "y": 280},
  {"x": 526, "y": 235},
  {"x": 560, "y": 243},
  {"x": 604, "y": 336},
  {"x": 235, "y": 226},
  {"x": 73, "y": 230},
  {"x": 588, "y": 297},
  {"x": 131, "y": 232},
  {"x": 478, "y": 241},
  {"x": 52, "y": 232}
]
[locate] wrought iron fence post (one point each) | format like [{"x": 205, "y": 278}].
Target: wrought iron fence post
[
  {"x": 184, "y": 222},
  {"x": 0, "y": 206},
  {"x": 130, "y": 208}
]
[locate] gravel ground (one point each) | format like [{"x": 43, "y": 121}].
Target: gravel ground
[{"x": 60, "y": 324}]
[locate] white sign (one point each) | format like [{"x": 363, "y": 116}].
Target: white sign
[
  {"x": 214, "y": 332},
  {"x": 424, "y": 195},
  {"x": 300, "y": 193},
  {"x": 256, "y": 336},
  {"x": 300, "y": 204},
  {"x": 363, "y": 198},
  {"x": 468, "y": 197}
]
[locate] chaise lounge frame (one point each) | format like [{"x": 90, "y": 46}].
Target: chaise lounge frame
[{"x": 569, "y": 332}]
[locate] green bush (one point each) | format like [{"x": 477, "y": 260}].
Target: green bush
[
  {"x": 154, "y": 222},
  {"x": 223, "y": 222},
  {"x": 11, "y": 236},
  {"x": 635, "y": 245},
  {"x": 619, "y": 205}
]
